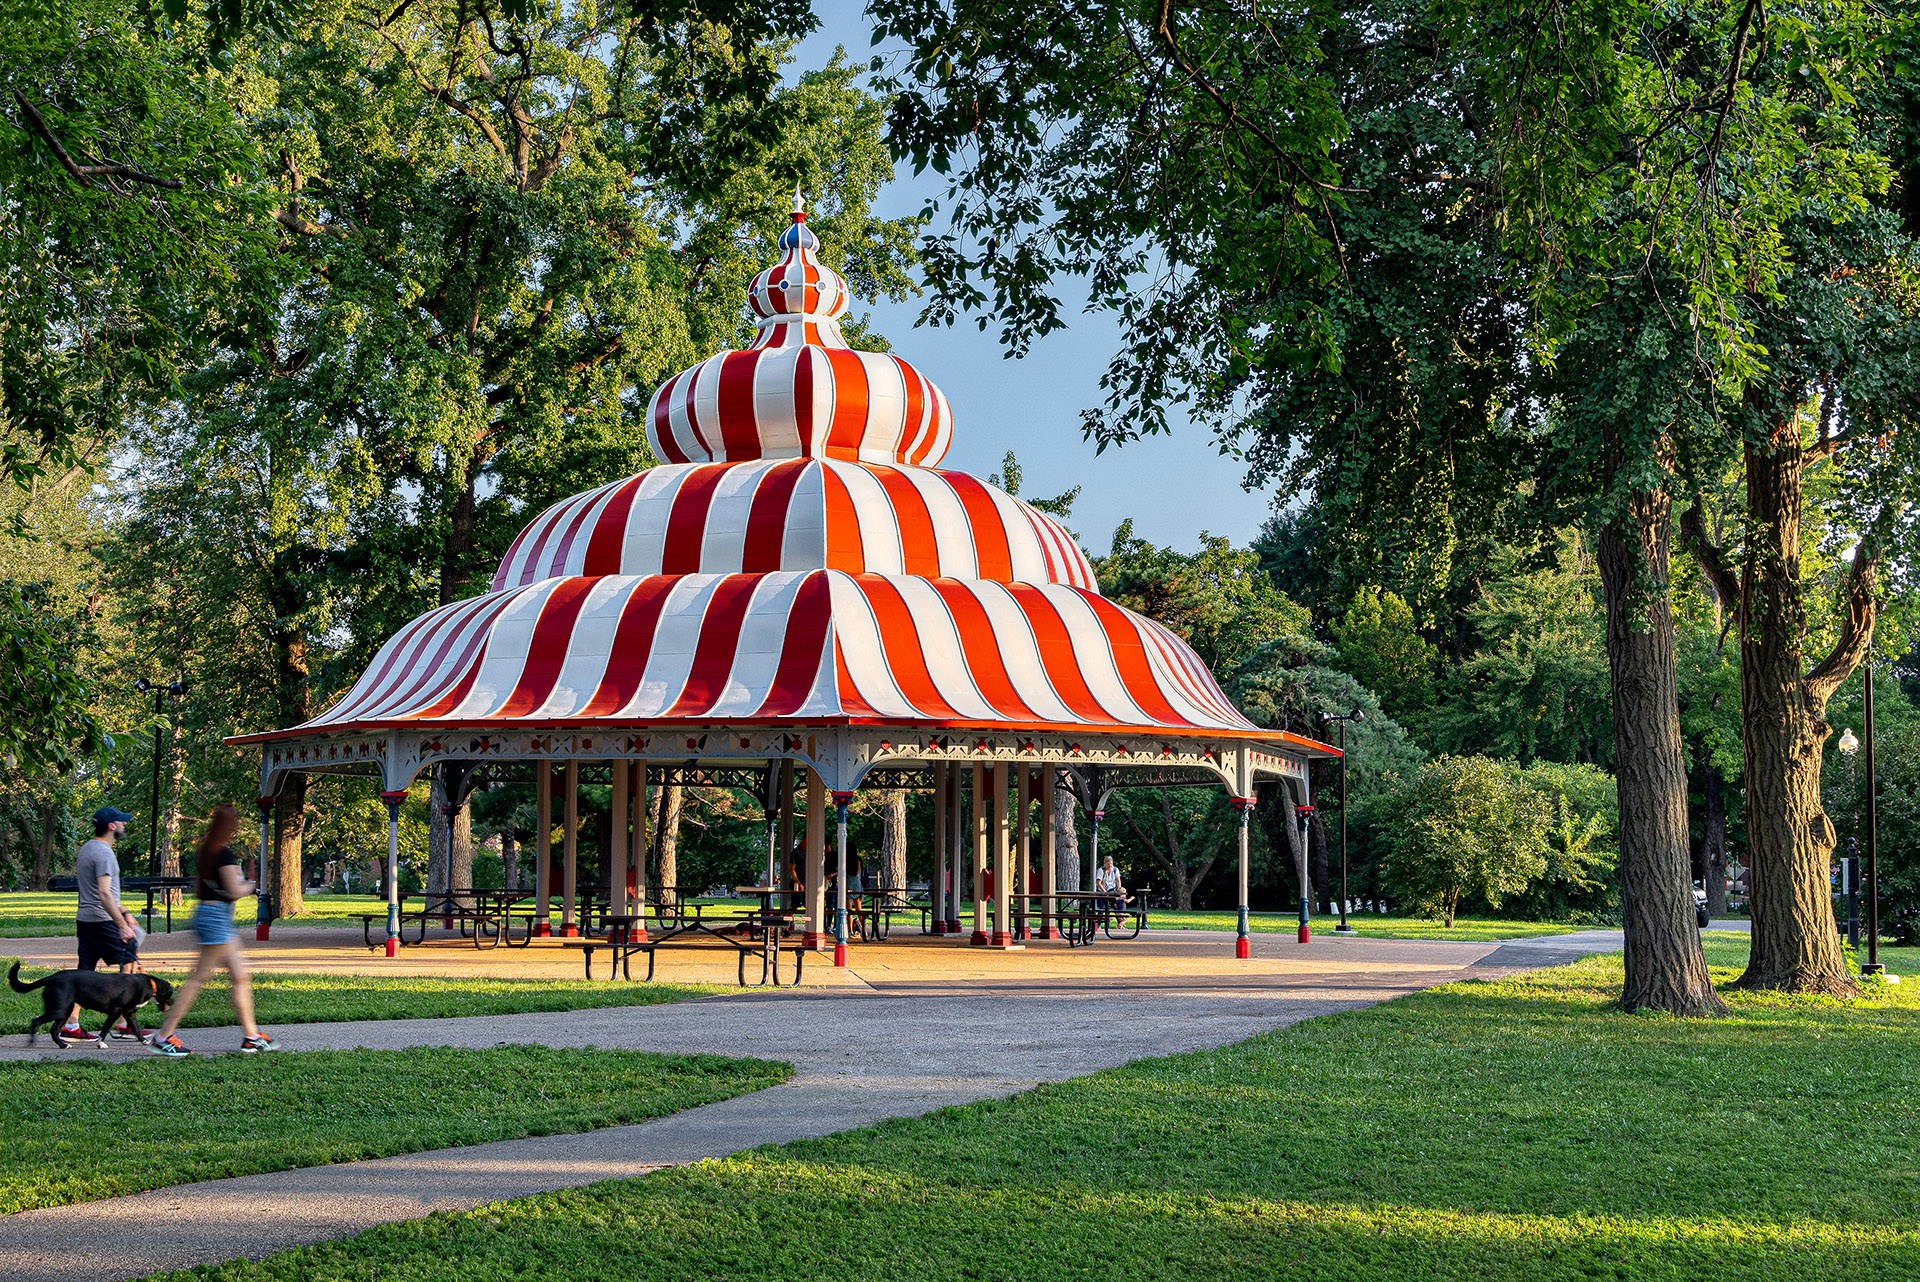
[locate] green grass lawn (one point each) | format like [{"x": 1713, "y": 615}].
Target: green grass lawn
[
  {"x": 1369, "y": 925},
  {"x": 325, "y": 999},
  {"x": 1518, "y": 1129},
  {"x": 38, "y": 913},
  {"x": 77, "y": 1131}
]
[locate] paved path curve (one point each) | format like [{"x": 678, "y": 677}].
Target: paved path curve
[{"x": 890, "y": 1049}]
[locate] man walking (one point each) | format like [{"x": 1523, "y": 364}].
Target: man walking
[{"x": 105, "y": 929}]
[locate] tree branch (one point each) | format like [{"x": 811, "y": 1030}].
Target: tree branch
[
  {"x": 1856, "y": 637},
  {"x": 1713, "y": 561},
  {"x": 87, "y": 172}
]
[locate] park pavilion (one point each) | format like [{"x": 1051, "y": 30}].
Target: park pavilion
[{"x": 798, "y": 588}]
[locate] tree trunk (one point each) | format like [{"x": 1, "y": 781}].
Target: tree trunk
[
  {"x": 1796, "y": 946},
  {"x": 289, "y": 819},
  {"x": 672, "y": 800},
  {"x": 893, "y": 841},
  {"x": 460, "y": 850},
  {"x": 439, "y": 829},
  {"x": 1713, "y": 839},
  {"x": 509, "y": 859},
  {"x": 1066, "y": 842},
  {"x": 1666, "y": 969},
  {"x": 43, "y": 848}
]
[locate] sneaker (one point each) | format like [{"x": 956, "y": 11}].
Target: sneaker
[
  {"x": 76, "y": 1034},
  {"x": 124, "y": 1034},
  {"x": 171, "y": 1047},
  {"x": 253, "y": 1045}
]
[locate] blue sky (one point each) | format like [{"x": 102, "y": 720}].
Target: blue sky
[{"x": 1173, "y": 487}]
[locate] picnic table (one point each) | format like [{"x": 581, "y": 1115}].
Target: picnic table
[
  {"x": 1090, "y": 912},
  {"x": 152, "y": 885},
  {"x": 752, "y": 934},
  {"x": 486, "y": 916}
]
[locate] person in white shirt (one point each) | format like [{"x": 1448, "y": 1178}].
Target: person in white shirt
[{"x": 1106, "y": 881}]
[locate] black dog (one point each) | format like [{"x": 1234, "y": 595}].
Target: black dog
[{"x": 115, "y": 995}]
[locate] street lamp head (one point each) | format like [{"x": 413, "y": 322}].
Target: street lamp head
[
  {"x": 1357, "y": 715},
  {"x": 142, "y": 685},
  {"x": 1849, "y": 741}
]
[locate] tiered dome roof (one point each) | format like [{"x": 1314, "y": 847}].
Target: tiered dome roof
[{"x": 797, "y": 558}]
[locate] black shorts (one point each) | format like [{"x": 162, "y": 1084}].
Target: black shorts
[{"x": 100, "y": 942}]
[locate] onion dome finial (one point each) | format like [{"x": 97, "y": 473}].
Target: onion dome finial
[{"x": 800, "y": 391}]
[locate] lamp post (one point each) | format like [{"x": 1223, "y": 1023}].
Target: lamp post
[
  {"x": 161, "y": 693},
  {"x": 1849, "y": 744},
  {"x": 1342, "y": 718}
]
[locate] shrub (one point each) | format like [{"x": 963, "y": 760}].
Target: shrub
[{"x": 1464, "y": 826}]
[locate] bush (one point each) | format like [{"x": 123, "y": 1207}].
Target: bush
[{"x": 1460, "y": 827}]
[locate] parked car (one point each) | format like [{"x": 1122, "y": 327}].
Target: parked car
[{"x": 1700, "y": 905}]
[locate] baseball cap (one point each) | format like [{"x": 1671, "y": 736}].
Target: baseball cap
[{"x": 108, "y": 815}]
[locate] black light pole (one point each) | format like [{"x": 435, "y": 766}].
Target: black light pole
[
  {"x": 1873, "y": 966},
  {"x": 1355, "y": 715},
  {"x": 160, "y": 696}
]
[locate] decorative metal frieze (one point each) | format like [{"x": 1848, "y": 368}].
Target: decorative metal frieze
[{"x": 724, "y": 756}]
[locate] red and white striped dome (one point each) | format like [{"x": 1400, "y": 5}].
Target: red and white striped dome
[{"x": 781, "y": 569}]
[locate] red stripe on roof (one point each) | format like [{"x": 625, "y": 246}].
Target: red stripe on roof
[
  {"x": 768, "y": 517},
  {"x": 809, "y": 620},
  {"x": 719, "y": 642},
  {"x": 919, "y": 549},
  {"x": 1130, "y": 657},
  {"x": 547, "y": 650},
  {"x": 982, "y": 648},
  {"x": 850, "y": 397},
  {"x": 803, "y": 398},
  {"x": 630, "y": 648},
  {"x": 608, "y": 541},
  {"x": 983, "y": 521},
  {"x": 1055, "y": 644},
  {"x": 900, "y": 639},
  {"x": 735, "y": 408},
  {"x": 845, "y": 550},
  {"x": 687, "y": 525}
]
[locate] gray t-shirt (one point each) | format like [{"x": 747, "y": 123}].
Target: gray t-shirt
[{"x": 94, "y": 861}]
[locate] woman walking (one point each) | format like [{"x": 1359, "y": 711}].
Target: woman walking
[{"x": 216, "y": 884}]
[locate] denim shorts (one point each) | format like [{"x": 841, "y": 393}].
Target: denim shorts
[{"x": 213, "y": 922}]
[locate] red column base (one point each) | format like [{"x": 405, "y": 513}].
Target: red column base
[
  {"x": 1052, "y": 932},
  {"x": 813, "y": 939},
  {"x": 260, "y": 933},
  {"x": 839, "y": 954},
  {"x": 1002, "y": 938},
  {"x": 1306, "y": 933},
  {"x": 939, "y": 928},
  {"x": 570, "y": 930},
  {"x": 953, "y": 925},
  {"x": 978, "y": 938},
  {"x": 393, "y": 948},
  {"x": 543, "y": 931},
  {"x": 1243, "y": 949}
]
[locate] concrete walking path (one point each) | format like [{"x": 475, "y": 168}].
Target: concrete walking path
[{"x": 880, "y": 1046}]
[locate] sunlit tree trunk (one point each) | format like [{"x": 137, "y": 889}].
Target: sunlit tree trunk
[
  {"x": 893, "y": 841},
  {"x": 1665, "y": 967},
  {"x": 1790, "y": 840}
]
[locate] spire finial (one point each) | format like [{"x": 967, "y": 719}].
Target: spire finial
[{"x": 799, "y": 205}]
